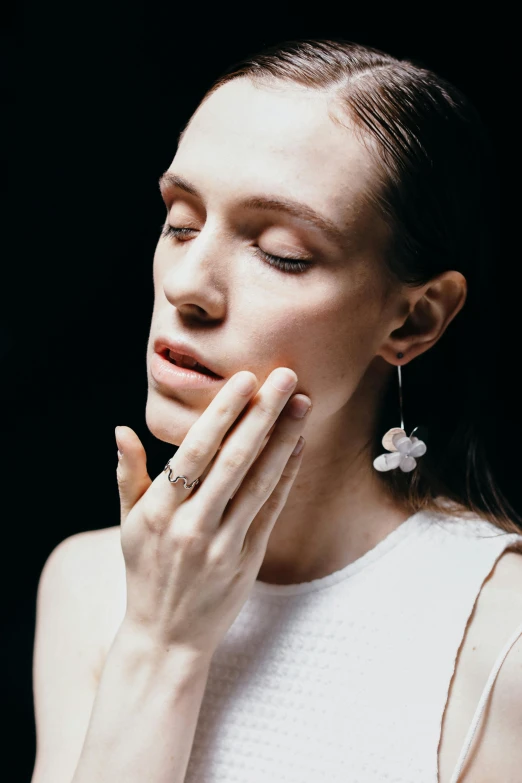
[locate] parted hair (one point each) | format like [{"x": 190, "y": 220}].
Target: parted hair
[{"x": 435, "y": 160}]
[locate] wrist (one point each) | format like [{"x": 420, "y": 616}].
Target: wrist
[{"x": 141, "y": 651}]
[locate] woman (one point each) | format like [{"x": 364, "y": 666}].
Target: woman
[{"x": 334, "y": 613}]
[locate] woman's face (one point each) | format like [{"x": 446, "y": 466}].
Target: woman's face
[{"x": 216, "y": 288}]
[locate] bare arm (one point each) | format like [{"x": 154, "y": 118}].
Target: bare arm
[
  {"x": 144, "y": 704},
  {"x": 145, "y": 714},
  {"x": 189, "y": 563}
]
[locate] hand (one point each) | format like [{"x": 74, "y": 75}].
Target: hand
[{"x": 192, "y": 556}]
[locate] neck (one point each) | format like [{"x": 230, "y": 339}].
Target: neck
[{"x": 337, "y": 510}]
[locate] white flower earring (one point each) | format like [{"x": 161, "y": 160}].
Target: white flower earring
[{"x": 404, "y": 450}]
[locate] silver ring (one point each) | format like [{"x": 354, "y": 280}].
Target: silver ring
[{"x": 173, "y": 481}]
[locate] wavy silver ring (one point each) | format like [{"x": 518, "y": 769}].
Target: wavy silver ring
[{"x": 173, "y": 481}]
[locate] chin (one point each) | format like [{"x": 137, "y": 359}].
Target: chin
[{"x": 167, "y": 420}]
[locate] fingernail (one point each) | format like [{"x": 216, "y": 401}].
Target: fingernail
[
  {"x": 299, "y": 407},
  {"x": 120, "y": 450},
  {"x": 299, "y": 447},
  {"x": 283, "y": 380}
]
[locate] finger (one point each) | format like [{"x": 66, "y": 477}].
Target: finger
[
  {"x": 194, "y": 457},
  {"x": 255, "y": 540},
  {"x": 131, "y": 473},
  {"x": 242, "y": 448},
  {"x": 260, "y": 482},
  {"x": 265, "y": 441}
]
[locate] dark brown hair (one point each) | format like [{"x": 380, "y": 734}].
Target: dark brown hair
[{"x": 434, "y": 156}]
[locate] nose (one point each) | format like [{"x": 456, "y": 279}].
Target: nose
[{"x": 194, "y": 274}]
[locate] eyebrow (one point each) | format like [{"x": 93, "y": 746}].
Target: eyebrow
[{"x": 296, "y": 209}]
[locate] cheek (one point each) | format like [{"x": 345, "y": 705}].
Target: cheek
[
  {"x": 336, "y": 327},
  {"x": 328, "y": 338}
]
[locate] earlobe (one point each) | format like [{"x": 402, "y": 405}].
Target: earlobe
[{"x": 432, "y": 308}]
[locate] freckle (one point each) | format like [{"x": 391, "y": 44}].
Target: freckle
[{"x": 474, "y": 648}]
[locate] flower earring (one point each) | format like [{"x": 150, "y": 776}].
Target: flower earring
[{"x": 404, "y": 450}]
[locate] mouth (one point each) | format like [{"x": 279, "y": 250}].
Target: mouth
[{"x": 187, "y": 362}]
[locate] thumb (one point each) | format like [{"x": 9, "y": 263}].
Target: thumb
[{"x": 131, "y": 473}]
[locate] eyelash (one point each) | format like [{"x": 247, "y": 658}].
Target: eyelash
[{"x": 292, "y": 265}]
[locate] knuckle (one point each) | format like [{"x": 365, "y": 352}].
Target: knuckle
[
  {"x": 290, "y": 471},
  {"x": 195, "y": 451},
  {"x": 287, "y": 437},
  {"x": 252, "y": 553},
  {"x": 154, "y": 518},
  {"x": 266, "y": 411},
  {"x": 260, "y": 485},
  {"x": 190, "y": 541},
  {"x": 236, "y": 460},
  {"x": 225, "y": 410},
  {"x": 273, "y": 504},
  {"x": 254, "y": 547},
  {"x": 184, "y": 535},
  {"x": 220, "y": 557}
]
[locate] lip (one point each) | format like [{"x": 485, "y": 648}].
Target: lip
[
  {"x": 170, "y": 376},
  {"x": 163, "y": 344}
]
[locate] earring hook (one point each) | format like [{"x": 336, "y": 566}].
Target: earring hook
[{"x": 400, "y": 356}]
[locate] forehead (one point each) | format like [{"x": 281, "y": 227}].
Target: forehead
[{"x": 278, "y": 139}]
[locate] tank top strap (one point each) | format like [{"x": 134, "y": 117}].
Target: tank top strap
[{"x": 482, "y": 703}]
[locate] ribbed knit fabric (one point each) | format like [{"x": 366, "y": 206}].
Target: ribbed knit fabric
[{"x": 344, "y": 679}]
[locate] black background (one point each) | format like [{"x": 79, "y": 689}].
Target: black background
[{"x": 95, "y": 96}]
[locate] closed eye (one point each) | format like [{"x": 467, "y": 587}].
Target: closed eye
[
  {"x": 291, "y": 265},
  {"x": 171, "y": 231}
]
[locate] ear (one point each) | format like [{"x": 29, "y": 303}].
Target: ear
[{"x": 430, "y": 309}]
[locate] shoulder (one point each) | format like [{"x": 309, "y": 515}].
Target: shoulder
[
  {"x": 79, "y": 545},
  {"x": 506, "y": 576},
  {"x": 79, "y": 604},
  {"x": 90, "y": 558},
  {"x": 86, "y": 572},
  {"x": 500, "y": 614},
  {"x": 504, "y": 599}
]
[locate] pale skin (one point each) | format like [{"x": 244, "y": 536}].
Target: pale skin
[{"x": 339, "y": 326}]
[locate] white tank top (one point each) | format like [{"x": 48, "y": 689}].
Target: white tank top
[{"x": 345, "y": 678}]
